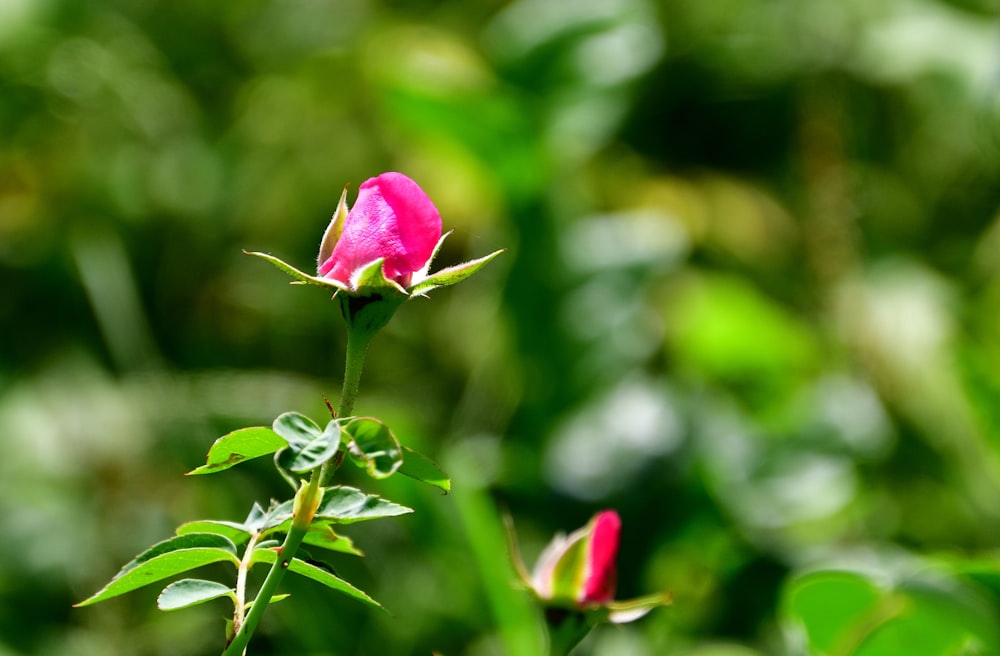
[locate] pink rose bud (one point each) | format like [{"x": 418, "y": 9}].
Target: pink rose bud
[
  {"x": 580, "y": 569},
  {"x": 393, "y": 220}
]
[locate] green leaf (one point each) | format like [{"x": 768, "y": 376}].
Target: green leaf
[
  {"x": 308, "y": 446},
  {"x": 318, "y": 574},
  {"x": 165, "y": 559},
  {"x": 828, "y": 604},
  {"x": 346, "y": 505},
  {"x": 191, "y": 592},
  {"x": 240, "y": 445},
  {"x": 341, "y": 505},
  {"x": 234, "y": 531},
  {"x": 275, "y": 599},
  {"x": 451, "y": 275},
  {"x": 419, "y": 467},
  {"x": 300, "y": 277},
  {"x": 374, "y": 446},
  {"x": 324, "y": 538}
]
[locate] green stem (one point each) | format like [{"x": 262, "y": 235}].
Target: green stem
[
  {"x": 300, "y": 525},
  {"x": 357, "y": 346}
]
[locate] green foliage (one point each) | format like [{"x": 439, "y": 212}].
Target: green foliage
[
  {"x": 750, "y": 301},
  {"x": 842, "y": 612},
  {"x": 238, "y": 446},
  {"x": 309, "y": 446},
  {"x": 191, "y": 592},
  {"x": 165, "y": 559}
]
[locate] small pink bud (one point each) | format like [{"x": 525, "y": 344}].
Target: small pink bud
[
  {"x": 600, "y": 571},
  {"x": 392, "y": 219},
  {"x": 580, "y": 568}
]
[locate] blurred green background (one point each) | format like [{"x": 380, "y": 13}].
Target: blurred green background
[{"x": 750, "y": 300}]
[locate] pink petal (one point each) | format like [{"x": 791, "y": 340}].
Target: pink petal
[
  {"x": 601, "y": 574},
  {"x": 392, "y": 219}
]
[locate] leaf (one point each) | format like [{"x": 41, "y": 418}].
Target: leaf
[
  {"x": 374, "y": 446},
  {"x": 419, "y": 467},
  {"x": 275, "y": 599},
  {"x": 341, "y": 505},
  {"x": 191, "y": 592},
  {"x": 234, "y": 531},
  {"x": 324, "y": 538},
  {"x": 346, "y": 505},
  {"x": 240, "y": 445},
  {"x": 451, "y": 275},
  {"x": 318, "y": 574},
  {"x": 332, "y": 234},
  {"x": 308, "y": 446},
  {"x": 165, "y": 559}
]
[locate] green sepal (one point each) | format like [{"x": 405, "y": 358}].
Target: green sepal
[
  {"x": 421, "y": 468},
  {"x": 332, "y": 234},
  {"x": 629, "y": 610},
  {"x": 301, "y": 277},
  {"x": 451, "y": 275},
  {"x": 370, "y": 280},
  {"x": 191, "y": 592},
  {"x": 318, "y": 574},
  {"x": 374, "y": 447},
  {"x": 308, "y": 445},
  {"x": 164, "y": 559},
  {"x": 243, "y": 444}
]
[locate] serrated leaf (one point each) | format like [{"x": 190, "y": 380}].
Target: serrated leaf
[
  {"x": 346, "y": 505},
  {"x": 240, "y": 445},
  {"x": 236, "y": 532},
  {"x": 191, "y": 592},
  {"x": 419, "y": 467},
  {"x": 320, "y": 575},
  {"x": 341, "y": 505},
  {"x": 374, "y": 446},
  {"x": 165, "y": 559},
  {"x": 308, "y": 446},
  {"x": 300, "y": 276},
  {"x": 451, "y": 275}
]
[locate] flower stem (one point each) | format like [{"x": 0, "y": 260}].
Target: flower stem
[
  {"x": 300, "y": 525},
  {"x": 357, "y": 346}
]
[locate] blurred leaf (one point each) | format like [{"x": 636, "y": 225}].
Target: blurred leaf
[
  {"x": 374, "y": 446},
  {"x": 165, "y": 559},
  {"x": 240, "y": 445},
  {"x": 846, "y": 613},
  {"x": 191, "y": 592},
  {"x": 420, "y": 467},
  {"x": 317, "y": 574}
]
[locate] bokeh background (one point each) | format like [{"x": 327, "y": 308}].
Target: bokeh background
[{"x": 750, "y": 300}]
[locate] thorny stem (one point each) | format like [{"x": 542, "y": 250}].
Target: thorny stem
[{"x": 357, "y": 346}]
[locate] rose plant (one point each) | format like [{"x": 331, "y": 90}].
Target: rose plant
[{"x": 373, "y": 257}]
